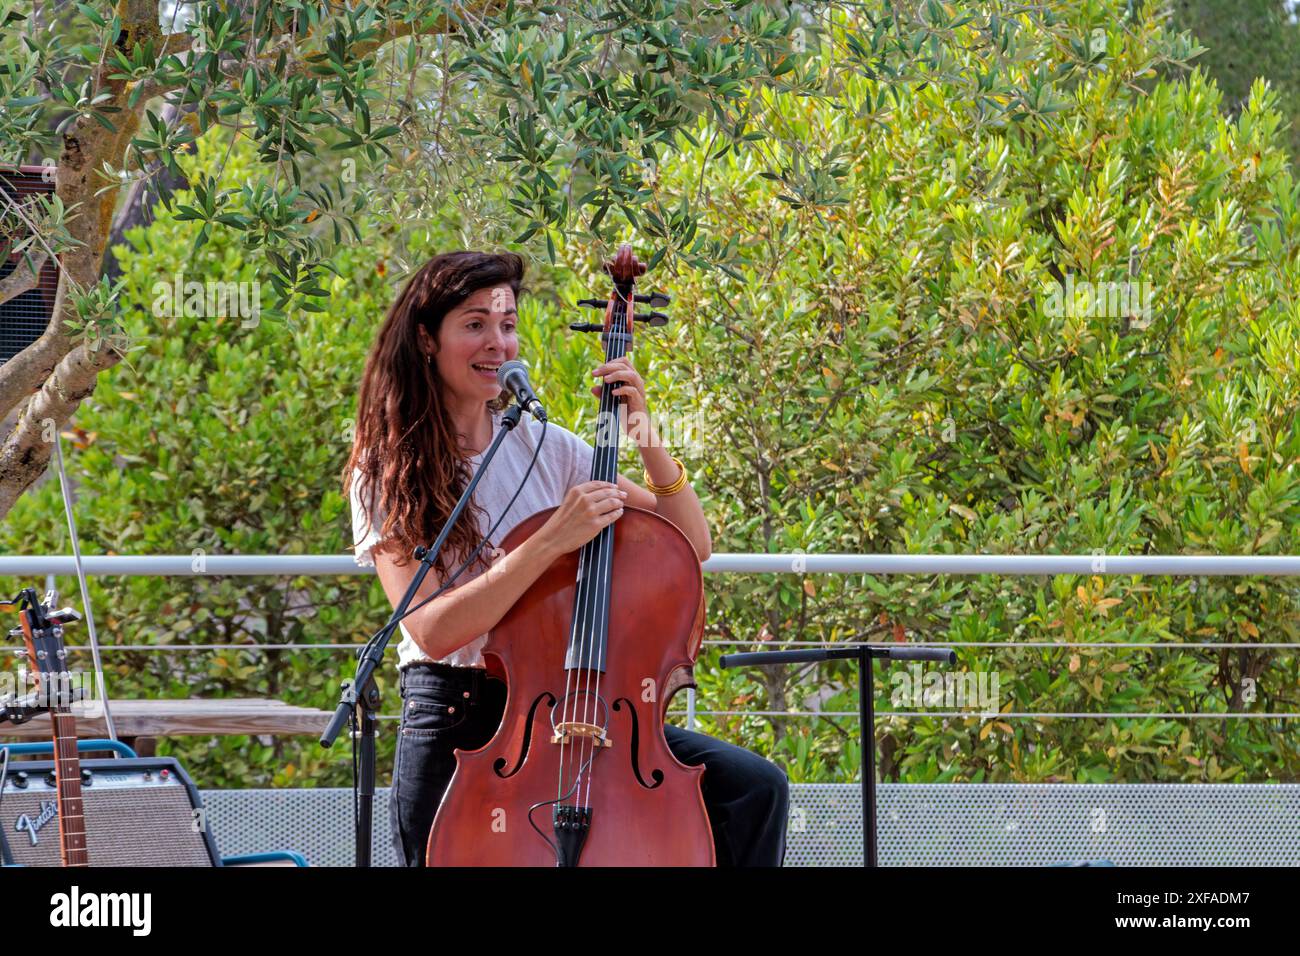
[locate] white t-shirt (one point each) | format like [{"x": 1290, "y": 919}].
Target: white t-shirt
[{"x": 565, "y": 461}]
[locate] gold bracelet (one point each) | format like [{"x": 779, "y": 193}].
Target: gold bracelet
[{"x": 664, "y": 491}]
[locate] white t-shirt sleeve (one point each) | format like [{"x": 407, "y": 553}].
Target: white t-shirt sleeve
[
  {"x": 365, "y": 533},
  {"x": 580, "y": 456}
]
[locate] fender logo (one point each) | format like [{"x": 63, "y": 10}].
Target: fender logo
[{"x": 25, "y": 823}]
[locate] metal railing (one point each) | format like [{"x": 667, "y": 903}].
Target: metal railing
[{"x": 201, "y": 564}]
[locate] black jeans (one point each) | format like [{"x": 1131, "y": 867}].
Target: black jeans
[{"x": 444, "y": 708}]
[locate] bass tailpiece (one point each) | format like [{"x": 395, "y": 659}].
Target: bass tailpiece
[{"x": 571, "y": 827}]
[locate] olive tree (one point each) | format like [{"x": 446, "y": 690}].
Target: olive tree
[{"x": 539, "y": 121}]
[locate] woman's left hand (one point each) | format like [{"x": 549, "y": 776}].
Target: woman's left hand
[{"x": 631, "y": 389}]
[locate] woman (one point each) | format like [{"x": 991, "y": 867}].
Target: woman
[{"x": 429, "y": 406}]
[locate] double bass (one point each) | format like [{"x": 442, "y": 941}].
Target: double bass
[{"x": 579, "y": 772}]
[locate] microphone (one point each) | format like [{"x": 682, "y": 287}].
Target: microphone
[{"x": 513, "y": 375}]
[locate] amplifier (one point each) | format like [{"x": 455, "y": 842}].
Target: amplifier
[{"x": 142, "y": 811}]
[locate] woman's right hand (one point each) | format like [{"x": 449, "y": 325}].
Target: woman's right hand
[{"x": 586, "y": 509}]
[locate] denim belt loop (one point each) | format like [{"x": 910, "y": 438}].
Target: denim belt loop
[
  {"x": 469, "y": 680},
  {"x": 475, "y": 675}
]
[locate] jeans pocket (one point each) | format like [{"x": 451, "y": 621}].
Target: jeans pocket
[{"x": 427, "y": 715}]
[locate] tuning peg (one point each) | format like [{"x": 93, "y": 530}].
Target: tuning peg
[
  {"x": 654, "y": 318},
  {"x": 587, "y": 327},
  {"x": 656, "y": 299}
]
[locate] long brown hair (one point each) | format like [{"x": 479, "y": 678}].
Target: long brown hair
[{"x": 405, "y": 443}]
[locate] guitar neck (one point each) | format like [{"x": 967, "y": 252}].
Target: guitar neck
[{"x": 67, "y": 779}]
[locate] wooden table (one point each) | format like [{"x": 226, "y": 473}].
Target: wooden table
[{"x": 140, "y": 722}]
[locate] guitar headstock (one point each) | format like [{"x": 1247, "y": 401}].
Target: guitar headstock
[{"x": 42, "y": 631}]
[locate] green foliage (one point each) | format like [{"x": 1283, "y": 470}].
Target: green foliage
[
  {"x": 228, "y": 438},
  {"x": 556, "y": 118},
  {"x": 1246, "y": 40},
  {"x": 892, "y": 376},
  {"x": 893, "y": 368}
]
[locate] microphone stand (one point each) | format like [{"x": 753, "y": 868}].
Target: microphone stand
[
  {"x": 865, "y": 655},
  {"x": 359, "y": 697}
]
